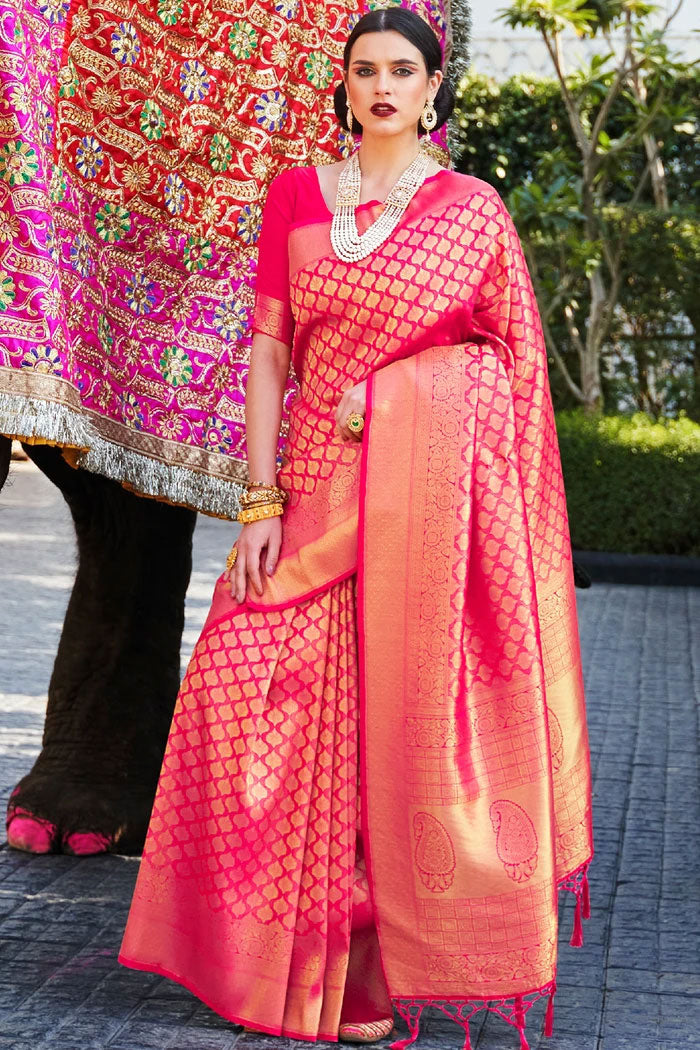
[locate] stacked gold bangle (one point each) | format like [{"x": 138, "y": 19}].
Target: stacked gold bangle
[{"x": 261, "y": 501}]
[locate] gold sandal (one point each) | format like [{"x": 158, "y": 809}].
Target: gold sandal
[{"x": 365, "y": 1031}]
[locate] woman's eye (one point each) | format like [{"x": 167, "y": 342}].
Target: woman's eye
[
  {"x": 361, "y": 72},
  {"x": 404, "y": 70}
]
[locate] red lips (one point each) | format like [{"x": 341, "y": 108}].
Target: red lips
[{"x": 382, "y": 109}]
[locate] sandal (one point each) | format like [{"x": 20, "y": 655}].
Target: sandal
[{"x": 365, "y": 1031}]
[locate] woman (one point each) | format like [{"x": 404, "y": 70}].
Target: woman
[{"x": 377, "y": 774}]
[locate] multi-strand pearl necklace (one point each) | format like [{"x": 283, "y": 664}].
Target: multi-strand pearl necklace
[{"x": 348, "y": 244}]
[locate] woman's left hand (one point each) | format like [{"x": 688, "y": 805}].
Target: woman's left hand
[{"x": 353, "y": 400}]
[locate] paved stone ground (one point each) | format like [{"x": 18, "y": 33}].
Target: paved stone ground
[{"x": 634, "y": 986}]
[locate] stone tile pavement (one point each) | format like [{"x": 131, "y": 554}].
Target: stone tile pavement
[{"x": 635, "y": 985}]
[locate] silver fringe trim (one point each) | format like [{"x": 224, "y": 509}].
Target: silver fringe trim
[
  {"x": 217, "y": 497},
  {"x": 54, "y": 423},
  {"x": 47, "y": 421}
]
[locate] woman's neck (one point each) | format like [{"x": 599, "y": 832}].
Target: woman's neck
[{"x": 382, "y": 161}]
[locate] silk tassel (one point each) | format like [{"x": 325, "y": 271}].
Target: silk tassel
[
  {"x": 586, "y": 898},
  {"x": 520, "y": 1022},
  {"x": 549, "y": 1016},
  {"x": 413, "y": 1026},
  {"x": 577, "y": 935}
]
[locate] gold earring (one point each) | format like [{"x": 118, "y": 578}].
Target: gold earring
[
  {"x": 428, "y": 117},
  {"x": 348, "y": 121}
]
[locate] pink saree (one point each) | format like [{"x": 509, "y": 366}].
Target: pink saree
[{"x": 377, "y": 776}]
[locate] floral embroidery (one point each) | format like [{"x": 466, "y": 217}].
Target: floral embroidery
[
  {"x": 7, "y": 290},
  {"x": 175, "y": 366},
  {"x": 45, "y": 123},
  {"x": 437, "y": 15},
  {"x": 9, "y": 227},
  {"x": 125, "y": 44},
  {"x": 18, "y": 163},
  {"x": 242, "y": 40},
  {"x": 136, "y": 177},
  {"x": 217, "y": 436},
  {"x": 174, "y": 193},
  {"x": 89, "y": 158},
  {"x": 210, "y": 211},
  {"x": 112, "y": 222},
  {"x": 80, "y": 21},
  {"x": 80, "y": 256},
  {"x": 52, "y": 302},
  {"x": 286, "y": 8},
  {"x": 21, "y": 99},
  {"x": 194, "y": 81},
  {"x": 169, "y": 11},
  {"x": 68, "y": 80},
  {"x": 230, "y": 320},
  {"x": 132, "y": 412},
  {"x": 249, "y": 223},
  {"x": 319, "y": 70},
  {"x": 42, "y": 359},
  {"x": 57, "y": 185},
  {"x": 104, "y": 334},
  {"x": 140, "y": 294},
  {"x": 172, "y": 426},
  {"x": 280, "y": 53},
  {"x": 197, "y": 253},
  {"x": 345, "y": 144},
  {"x": 220, "y": 153},
  {"x": 152, "y": 122},
  {"x": 54, "y": 11},
  {"x": 106, "y": 99},
  {"x": 271, "y": 110},
  {"x": 51, "y": 242}
]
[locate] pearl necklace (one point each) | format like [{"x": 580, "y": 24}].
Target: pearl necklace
[{"x": 348, "y": 244}]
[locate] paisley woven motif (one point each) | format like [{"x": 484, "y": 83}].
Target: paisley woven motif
[
  {"x": 435, "y": 855},
  {"x": 137, "y": 142}
]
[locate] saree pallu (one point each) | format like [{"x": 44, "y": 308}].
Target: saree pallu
[{"x": 297, "y": 872}]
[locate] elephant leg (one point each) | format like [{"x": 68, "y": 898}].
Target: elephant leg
[
  {"x": 116, "y": 674},
  {"x": 5, "y": 455}
]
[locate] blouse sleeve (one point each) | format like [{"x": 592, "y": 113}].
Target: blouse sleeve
[{"x": 273, "y": 314}]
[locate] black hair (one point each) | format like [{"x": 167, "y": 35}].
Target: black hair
[{"x": 414, "y": 29}]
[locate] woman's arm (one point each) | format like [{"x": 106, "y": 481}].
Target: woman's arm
[{"x": 267, "y": 378}]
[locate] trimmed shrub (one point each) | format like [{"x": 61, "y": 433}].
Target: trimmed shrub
[{"x": 632, "y": 484}]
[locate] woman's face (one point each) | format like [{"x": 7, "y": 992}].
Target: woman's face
[{"x": 387, "y": 83}]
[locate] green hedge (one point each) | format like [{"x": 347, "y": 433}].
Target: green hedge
[{"x": 632, "y": 484}]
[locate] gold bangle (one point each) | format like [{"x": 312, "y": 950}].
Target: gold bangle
[
  {"x": 231, "y": 560},
  {"x": 263, "y": 494},
  {"x": 265, "y": 510},
  {"x": 251, "y": 499}
]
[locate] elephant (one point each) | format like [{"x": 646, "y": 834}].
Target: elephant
[{"x": 132, "y": 175}]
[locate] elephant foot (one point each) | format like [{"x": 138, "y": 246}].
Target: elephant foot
[
  {"x": 30, "y": 833},
  {"x": 85, "y": 843},
  {"x": 49, "y": 816}
]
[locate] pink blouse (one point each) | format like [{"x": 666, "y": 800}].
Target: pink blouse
[{"x": 294, "y": 199}]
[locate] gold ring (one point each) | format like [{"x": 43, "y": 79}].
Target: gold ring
[
  {"x": 231, "y": 560},
  {"x": 355, "y": 422}
]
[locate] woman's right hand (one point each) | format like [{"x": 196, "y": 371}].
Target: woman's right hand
[{"x": 258, "y": 550}]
